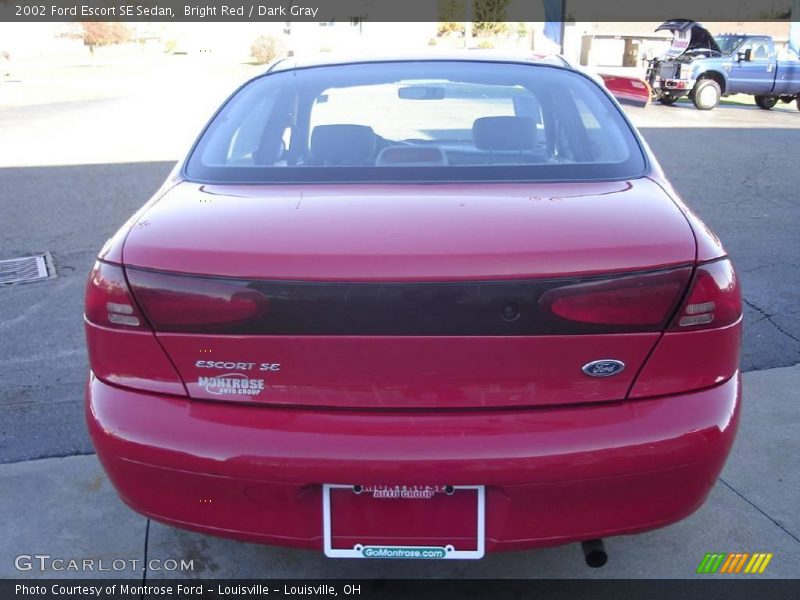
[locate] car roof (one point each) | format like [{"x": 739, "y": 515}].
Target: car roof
[{"x": 329, "y": 59}]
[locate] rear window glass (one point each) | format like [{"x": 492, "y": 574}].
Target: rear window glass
[{"x": 417, "y": 121}]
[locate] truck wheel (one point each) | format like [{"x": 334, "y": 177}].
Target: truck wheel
[
  {"x": 667, "y": 99},
  {"x": 706, "y": 94},
  {"x": 766, "y": 102},
  {"x": 798, "y": 103}
]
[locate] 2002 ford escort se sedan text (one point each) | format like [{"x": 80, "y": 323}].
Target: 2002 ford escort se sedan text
[{"x": 415, "y": 308}]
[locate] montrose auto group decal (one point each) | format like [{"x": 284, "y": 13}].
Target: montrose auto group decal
[
  {"x": 231, "y": 383},
  {"x": 237, "y": 384}
]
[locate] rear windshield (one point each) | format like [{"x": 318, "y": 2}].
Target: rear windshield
[{"x": 417, "y": 121}]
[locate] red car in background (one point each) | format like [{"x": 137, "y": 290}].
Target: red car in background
[{"x": 415, "y": 308}]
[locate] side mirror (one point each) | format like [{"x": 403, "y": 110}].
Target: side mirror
[{"x": 746, "y": 56}]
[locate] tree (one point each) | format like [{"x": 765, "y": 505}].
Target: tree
[
  {"x": 96, "y": 34},
  {"x": 452, "y": 10},
  {"x": 265, "y": 49},
  {"x": 488, "y": 16}
]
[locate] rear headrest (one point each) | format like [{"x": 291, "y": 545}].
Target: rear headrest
[
  {"x": 504, "y": 133},
  {"x": 343, "y": 144}
]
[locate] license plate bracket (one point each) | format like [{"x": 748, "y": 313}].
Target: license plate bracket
[{"x": 343, "y": 500}]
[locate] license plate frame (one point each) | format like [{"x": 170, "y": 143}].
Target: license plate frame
[{"x": 447, "y": 552}]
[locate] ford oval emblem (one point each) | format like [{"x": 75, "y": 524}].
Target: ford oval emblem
[{"x": 603, "y": 368}]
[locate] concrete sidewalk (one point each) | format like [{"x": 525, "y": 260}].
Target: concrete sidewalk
[{"x": 65, "y": 508}]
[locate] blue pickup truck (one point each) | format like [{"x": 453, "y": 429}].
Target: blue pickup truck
[{"x": 706, "y": 68}]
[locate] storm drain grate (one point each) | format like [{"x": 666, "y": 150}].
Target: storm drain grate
[{"x": 27, "y": 268}]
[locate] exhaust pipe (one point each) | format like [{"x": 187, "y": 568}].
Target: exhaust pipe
[{"x": 594, "y": 552}]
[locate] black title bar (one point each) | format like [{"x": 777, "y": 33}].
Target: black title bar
[
  {"x": 394, "y": 10},
  {"x": 720, "y": 588}
]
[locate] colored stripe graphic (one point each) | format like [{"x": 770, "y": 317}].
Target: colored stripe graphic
[
  {"x": 711, "y": 563},
  {"x": 701, "y": 568},
  {"x": 766, "y": 562},
  {"x": 729, "y": 562},
  {"x": 741, "y": 562},
  {"x": 758, "y": 563},
  {"x": 734, "y": 562}
]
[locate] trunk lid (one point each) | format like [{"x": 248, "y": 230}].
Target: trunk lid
[
  {"x": 407, "y": 232},
  {"x": 409, "y": 296}
]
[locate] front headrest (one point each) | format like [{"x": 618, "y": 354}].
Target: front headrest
[
  {"x": 343, "y": 144},
  {"x": 504, "y": 133}
]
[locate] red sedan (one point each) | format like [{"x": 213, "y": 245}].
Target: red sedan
[{"x": 418, "y": 309}]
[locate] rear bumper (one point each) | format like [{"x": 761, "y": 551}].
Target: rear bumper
[{"x": 552, "y": 475}]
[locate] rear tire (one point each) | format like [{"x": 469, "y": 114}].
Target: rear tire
[
  {"x": 706, "y": 94},
  {"x": 766, "y": 102}
]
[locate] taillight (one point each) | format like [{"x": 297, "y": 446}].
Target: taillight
[
  {"x": 714, "y": 299},
  {"x": 185, "y": 303},
  {"x": 639, "y": 301},
  {"x": 122, "y": 348},
  {"x": 108, "y": 300}
]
